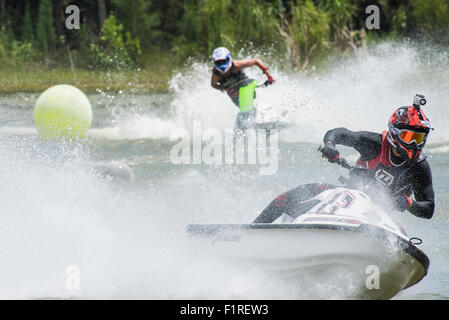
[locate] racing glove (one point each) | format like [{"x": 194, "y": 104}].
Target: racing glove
[
  {"x": 402, "y": 202},
  {"x": 330, "y": 152}
]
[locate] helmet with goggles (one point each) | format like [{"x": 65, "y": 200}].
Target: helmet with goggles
[
  {"x": 408, "y": 129},
  {"x": 222, "y": 59}
]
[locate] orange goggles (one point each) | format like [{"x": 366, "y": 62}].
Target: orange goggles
[{"x": 408, "y": 137}]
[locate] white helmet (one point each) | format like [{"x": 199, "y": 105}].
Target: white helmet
[{"x": 222, "y": 59}]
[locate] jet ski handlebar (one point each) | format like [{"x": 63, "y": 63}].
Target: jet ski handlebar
[
  {"x": 356, "y": 174},
  {"x": 270, "y": 81},
  {"x": 340, "y": 161}
]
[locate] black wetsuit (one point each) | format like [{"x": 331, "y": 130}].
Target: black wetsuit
[{"x": 375, "y": 154}]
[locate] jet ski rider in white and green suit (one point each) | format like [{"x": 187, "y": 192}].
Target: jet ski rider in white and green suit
[{"x": 228, "y": 75}]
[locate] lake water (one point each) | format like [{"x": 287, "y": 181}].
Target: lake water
[{"x": 128, "y": 241}]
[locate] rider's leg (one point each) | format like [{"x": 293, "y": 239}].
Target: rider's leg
[
  {"x": 245, "y": 101},
  {"x": 246, "y": 96},
  {"x": 293, "y": 202},
  {"x": 245, "y": 120}
]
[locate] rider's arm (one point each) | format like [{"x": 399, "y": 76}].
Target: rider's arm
[
  {"x": 424, "y": 204},
  {"x": 240, "y": 64},
  {"x": 214, "y": 82},
  {"x": 367, "y": 143}
]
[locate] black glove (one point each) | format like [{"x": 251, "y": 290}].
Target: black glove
[
  {"x": 330, "y": 152},
  {"x": 402, "y": 202}
]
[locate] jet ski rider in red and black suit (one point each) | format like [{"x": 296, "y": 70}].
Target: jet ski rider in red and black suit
[{"x": 393, "y": 158}]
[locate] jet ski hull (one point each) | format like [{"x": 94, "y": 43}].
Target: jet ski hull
[{"x": 345, "y": 255}]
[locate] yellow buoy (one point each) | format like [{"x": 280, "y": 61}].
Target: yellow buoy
[{"x": 62, "y": 111}]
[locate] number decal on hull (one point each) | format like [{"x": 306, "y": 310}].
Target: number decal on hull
[{"x": 341, "y": 200}]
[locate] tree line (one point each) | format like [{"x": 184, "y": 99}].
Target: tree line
[{"x": 119, "y": 34}]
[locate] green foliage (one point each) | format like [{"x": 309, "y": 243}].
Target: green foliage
[
  {"x": 340, "y": 17},
  {"x": 27, "y": 26},
  {"x": 116, "y": 49},
  {"x": 399, "y": 21},
  {"x": 207, "y": 24},
  {"x": 306, "y": 33},
  {"x": 82, "y": 40},
  {"x": 255, "y": 22},
  {"x": 139, "y": 20},
  {"x": 13, "y": 52},
  {"x": 45, "y": 30},
  {"x": 431, "y": 15}
]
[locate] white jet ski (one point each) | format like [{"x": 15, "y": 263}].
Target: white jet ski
[{"x": 346, "y": 235}]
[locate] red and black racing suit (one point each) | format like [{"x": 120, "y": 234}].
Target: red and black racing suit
[{"x": 399, "y": 177}]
